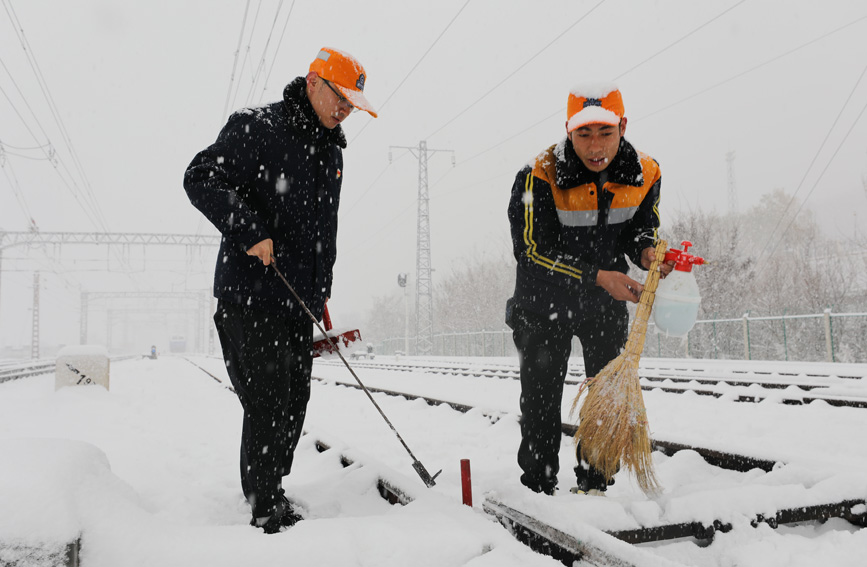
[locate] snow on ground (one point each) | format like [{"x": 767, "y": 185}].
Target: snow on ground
[{"x": 147, "y": 473}]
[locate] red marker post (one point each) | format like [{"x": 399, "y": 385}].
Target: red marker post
[{"x": 466, "y": 483}]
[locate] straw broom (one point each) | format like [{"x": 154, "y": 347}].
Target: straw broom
[{"x": 613, "y": 425}]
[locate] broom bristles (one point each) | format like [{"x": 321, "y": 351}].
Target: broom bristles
[{"x": 613, "y": 428}]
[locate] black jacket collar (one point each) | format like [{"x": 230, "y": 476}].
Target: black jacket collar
[
  {"x": 625, "y": 168},
  {"x": 303, "y": 118}
]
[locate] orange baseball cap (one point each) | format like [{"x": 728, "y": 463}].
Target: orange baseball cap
[
  {"x": 598, "y": 103},
  {"x": 346, "y": 73}
]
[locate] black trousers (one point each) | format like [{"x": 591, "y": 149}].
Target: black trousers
[
  {"x": 543, "y": 349},
  {"x": 269, "y": 359}
]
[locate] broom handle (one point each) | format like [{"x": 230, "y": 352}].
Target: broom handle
[{"x": 635, "y": 344}]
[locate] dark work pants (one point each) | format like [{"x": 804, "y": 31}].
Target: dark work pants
[
  {"x": 543, "y": 349},
  {"x": 269, "y": 359}
]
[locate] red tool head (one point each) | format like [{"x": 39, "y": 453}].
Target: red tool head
[{"x": 683, "y": 261}]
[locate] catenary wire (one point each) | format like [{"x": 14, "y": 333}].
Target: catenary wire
[
  {"x": 235, "y": 62},
  {"x": 646, "y": 60},
  {"x": 761, "y": 256},
  {"x": 16, "y": 189},
  {"x": 246, "y": 53},
  {"x": 562, "y": 110},
  {"x": 258, "y": 73},
  {"x": 73, "y": 191},
  {"x": 672, "y": 44},
  {"x": 21, "y": 148},
  {"x": 703, "y": 91},
  {"x": 87, "y": 194},
  {"x": 277, "y": 51},
  {"x": 510, "y": 75},
  {"x": 52, "y": 105},
  {"x": 813, "y": 188},
  {"x": 634, "y": 67},
  {"x": 754, "y": 68},
  {"x": 372, "y": 183},
  {"x": 411, "y": 71}
]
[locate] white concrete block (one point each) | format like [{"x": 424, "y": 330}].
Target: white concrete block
[{"x": 82, "y": 366}]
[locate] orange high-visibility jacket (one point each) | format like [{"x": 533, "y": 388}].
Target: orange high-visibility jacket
[{"x": 568, "y": 222}]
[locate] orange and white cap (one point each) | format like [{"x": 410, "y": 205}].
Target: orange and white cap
[
  {"x": 344, "y": 72},
  {"x": 596, "y": 103}
]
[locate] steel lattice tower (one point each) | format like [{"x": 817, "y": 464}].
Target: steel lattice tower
[
  {"x": 424, "y": 279},
  {"x": 34, "y": 329}
]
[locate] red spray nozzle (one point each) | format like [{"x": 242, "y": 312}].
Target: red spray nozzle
[{"x": 683, "y": 261}]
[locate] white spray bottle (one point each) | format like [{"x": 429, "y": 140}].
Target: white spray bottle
[{"x": 675, "y": 308}]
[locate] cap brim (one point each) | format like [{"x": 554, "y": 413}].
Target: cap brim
[
  {"x": 356, "y": 99},
  {"x": 592, "y": 115}
]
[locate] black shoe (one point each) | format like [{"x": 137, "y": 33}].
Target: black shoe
[
  {"x": 540, "y": 489},
  {"x": 269, "y": 527},
  {"x": 290, "y": 515},
  {"x": 285, "y": 516}
]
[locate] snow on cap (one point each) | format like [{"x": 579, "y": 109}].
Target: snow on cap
[
  {"x": 344, "y": 72},
  {"x": 594, "y": 103}
]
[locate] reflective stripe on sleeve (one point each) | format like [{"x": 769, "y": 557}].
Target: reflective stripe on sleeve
[{"x": 531, "y": 244}]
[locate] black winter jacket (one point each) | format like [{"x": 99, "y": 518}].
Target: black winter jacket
[
  {"x": 274, "y": 172},
  {"x": 569, "y": 222}
]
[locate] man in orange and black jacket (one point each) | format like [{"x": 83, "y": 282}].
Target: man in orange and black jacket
[{"x": 577, "y": 212}]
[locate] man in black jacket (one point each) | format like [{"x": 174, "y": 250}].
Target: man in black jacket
[
  {"x": 271, "y": 185},
  {"x": 576, "y": 212}
]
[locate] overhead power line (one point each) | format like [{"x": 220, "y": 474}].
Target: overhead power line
[
  {"x": 48, "y": 149},
  {"x": 360, "y": 198},
  {"x": 235, "y": 62},
  {"x": 258, "y": 72},
  {"x": 524, "y": 64},
  {"x": 277, "y": 50},
  {"x": 414, "y": 67},
  {"x": 762, "y": 258},
  {"x": 247, "y": 52},
  {"x": 754, "y": 68},
  {"x": 9, "y": 173},
  {"x": 562, "y": 110},
  {"x": 672, "y": 44},
  {"x": 43, "y": 85}
]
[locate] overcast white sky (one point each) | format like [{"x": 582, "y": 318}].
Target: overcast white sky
[{"x": 142, "y": 86}]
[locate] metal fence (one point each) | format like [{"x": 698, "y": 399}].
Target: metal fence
[{"x": 827, "y": 336}]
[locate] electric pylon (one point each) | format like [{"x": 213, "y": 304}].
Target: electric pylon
[{"x": 423, "y": 280}]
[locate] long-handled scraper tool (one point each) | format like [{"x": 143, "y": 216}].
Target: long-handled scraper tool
[
  {"x": 425, "y": 476},
  {"x": 330, "y": 344}
]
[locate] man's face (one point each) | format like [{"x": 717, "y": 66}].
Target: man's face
[
  {"x": 329, "y": 105},
  {"x": 597, "y": 144}
]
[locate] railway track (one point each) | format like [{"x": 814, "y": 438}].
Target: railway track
[
  {"x": 568, "y": 548},
  {"x": 601, "y": 547},
  {"x": 16, "y": 371},
  {"x": 792, "y": 388}
]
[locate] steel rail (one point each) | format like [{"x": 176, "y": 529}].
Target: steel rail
[
  {"x": 568, "y": 548},
  {"x": 730, "y": 461},
  {"x": 679, "y": 384}
]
